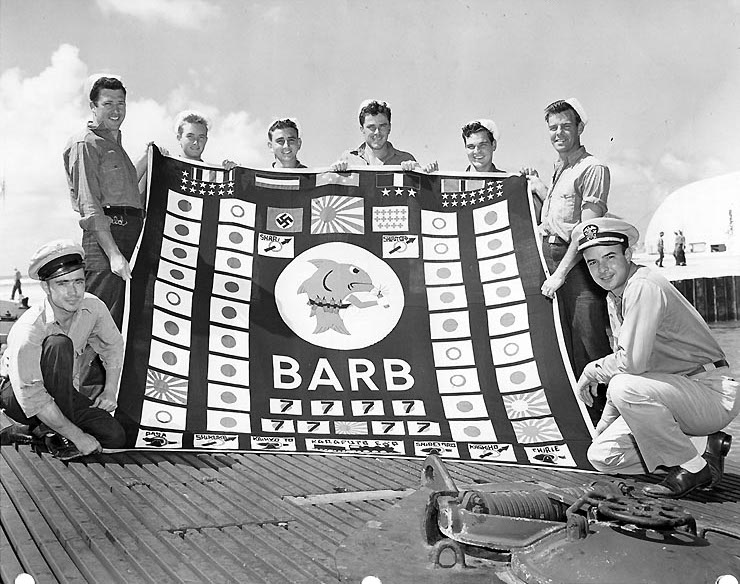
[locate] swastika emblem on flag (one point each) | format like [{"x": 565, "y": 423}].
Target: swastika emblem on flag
[{"x": 284, "y": 220}]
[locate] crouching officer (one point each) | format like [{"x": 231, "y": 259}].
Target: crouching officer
[
  {"x": 670, "y": 389},
  {"x": 42, "y": 359}
]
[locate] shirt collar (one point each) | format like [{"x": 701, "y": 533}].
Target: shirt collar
[
  {"x": 573, "y": 157},
  {"x": 297, "y": 164},
  {"x": 391, "y": 151},
  {"x": 101, "y": 131},
  {"x": 50, "y": 317}
]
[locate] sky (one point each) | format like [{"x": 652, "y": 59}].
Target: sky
[{"x": 659, "y": 81}]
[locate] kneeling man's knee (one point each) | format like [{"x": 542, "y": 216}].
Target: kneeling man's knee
[
  {"x": 603, "y": 458},
  {"x": 622, "y": 388},
  {"x": 114, "y": 435}
]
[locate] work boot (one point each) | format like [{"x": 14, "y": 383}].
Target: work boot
[
  {"x": 42, "y": 431},
  {"x": 679, "y": 482},
  {"x": 62, "y": 448},
  {"x": 15, "y": 434},
  {"x": 718, "y": 445}
]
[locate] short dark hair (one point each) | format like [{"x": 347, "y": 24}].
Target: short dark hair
[
  {"x": 473, "y": 128},
  {"x": 282, "y": 125},
  {"x": 105, "y": 83},
  {"x": 374, "y": 108},
  {"x": 560, "y": 106}
]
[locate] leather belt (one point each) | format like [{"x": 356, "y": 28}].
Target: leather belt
[
  {"x": 708, "y": 367},
  {"x": 125, "y": 211},
  {"x": 554, "y": 240}
]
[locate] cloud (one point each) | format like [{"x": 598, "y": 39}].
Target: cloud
[
  {"x": 180, "y": 13},
  {"x": 39, "y": 113}
]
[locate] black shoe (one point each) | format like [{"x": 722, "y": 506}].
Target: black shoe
[
  {"x": 62, "y": 448},
  {"x": 718, "y": 445},
  {"x": 42, "y": 431},
  {"x": 680, "y": 482},
  {"x": 15, "y": 434}
]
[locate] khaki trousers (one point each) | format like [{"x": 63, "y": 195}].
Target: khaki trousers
[{"x": 659, "y": 414}]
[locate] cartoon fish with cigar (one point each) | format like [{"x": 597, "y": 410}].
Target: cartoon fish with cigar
[{"x": 332, "y": 288}]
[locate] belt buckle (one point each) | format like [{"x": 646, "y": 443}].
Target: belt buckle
[{"x": 118, "y": 219}]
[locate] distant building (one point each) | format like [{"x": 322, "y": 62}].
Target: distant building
[{"x": 706, "y": 211}]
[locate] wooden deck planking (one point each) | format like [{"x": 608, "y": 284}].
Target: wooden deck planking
[{"x": 213, "y": 517}]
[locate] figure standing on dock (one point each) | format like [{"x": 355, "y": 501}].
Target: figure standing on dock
[
  {"x": 679, "y": 249},
  {"x": 661, "y": 251},
  {"x": 670, "y": 390},
  {"x": 17, "y": 286}
]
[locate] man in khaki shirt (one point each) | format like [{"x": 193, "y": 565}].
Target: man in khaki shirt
[
  {"x": 39, "y": 377},
  {"x": 670, "y": 389}
]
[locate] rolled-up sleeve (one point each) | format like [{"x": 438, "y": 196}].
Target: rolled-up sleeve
[
  {"x": 25, "y": 369},
  {"x": 593, "y": 186}
]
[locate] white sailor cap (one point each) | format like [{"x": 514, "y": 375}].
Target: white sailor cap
[
  {"x": 56, "y": 258},
  {"x": 367, "y": 102},
  {"x": 605, "y": 231},
  {"x": 90, "y": 81},
  {"x": 580, "y": 110},
  {"x": 489, "y": 125}
]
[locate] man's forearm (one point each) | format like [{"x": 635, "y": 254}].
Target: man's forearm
[
  {"x": 106, "y": 241},
  {"x": 53, "y": 417},
  {"x": 570, "y": 259},
  {"x": 112, "y": 377}
]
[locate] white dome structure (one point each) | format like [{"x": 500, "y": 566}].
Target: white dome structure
[{"x": 707, "y": 212}]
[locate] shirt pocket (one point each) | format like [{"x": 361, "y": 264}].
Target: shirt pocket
[{"x": 113, "y": 177}]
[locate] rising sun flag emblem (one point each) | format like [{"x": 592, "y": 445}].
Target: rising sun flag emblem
[
  {"x": 336, "y": 214},
  {"x": 166, "y": 388}
]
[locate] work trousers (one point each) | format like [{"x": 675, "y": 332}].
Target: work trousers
[
  {"x": 583, "y": 315},
  {"x": 57, "y": 369},
  {"x": 659, "y": 414},
  {"x": 99, "y": 280}
]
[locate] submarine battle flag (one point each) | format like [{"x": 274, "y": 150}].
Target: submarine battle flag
[{"x": 366, "y": 313}]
